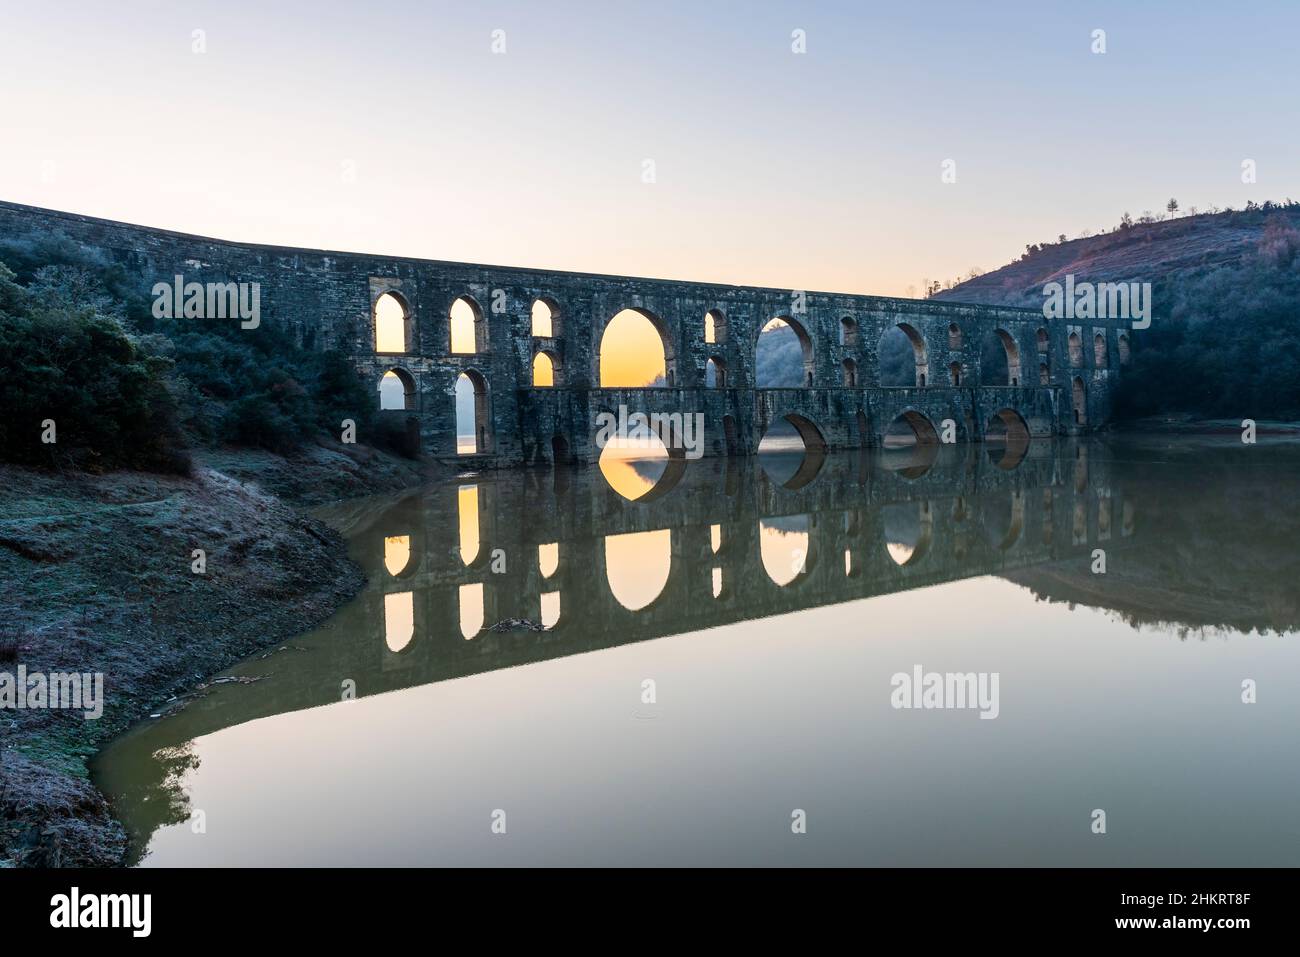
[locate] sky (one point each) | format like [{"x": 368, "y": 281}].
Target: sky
[{"x": 394, "y": 127}]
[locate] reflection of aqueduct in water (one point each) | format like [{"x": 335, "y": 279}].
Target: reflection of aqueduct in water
[
  {"x": 528, "y": 343},
  {"x": 726, "y": 545}
]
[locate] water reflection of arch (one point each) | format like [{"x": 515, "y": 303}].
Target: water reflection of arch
[
  {"x": 438, "y": 652},
  {"x": 914, "y": 456},
  {"x": 907, "y": 531},
  {"x": 401, "y": 624},
  {"x": 666, "y": 430},
  {"x": 1005, "y": 521},
  {"x": 1009, "y": 433},
  {"x": 788, "y": 548},
  {"x": 815, "y": 448},
  {"x": 654, "y": 576}
]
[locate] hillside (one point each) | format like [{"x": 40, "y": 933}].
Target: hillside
[
  {"x": 1225, "y": 334},
  {"x": 1142, "y": 252}
]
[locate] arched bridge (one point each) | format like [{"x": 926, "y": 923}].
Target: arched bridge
[{"x": 537, "y": 384}]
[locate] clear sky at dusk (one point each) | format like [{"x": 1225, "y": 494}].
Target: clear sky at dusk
[{"x": 393, "y": 127}]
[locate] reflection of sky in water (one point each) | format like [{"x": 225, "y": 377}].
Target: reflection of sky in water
[
  {"x": 753, "y": 720},
  {"x": 637, "y": 565},
  {"x": 783, "y": 543},
  {"x": 467, "y": 505},
  {"x": 399, "y": 620},
  {"x": 397, "y": 553},
  {"x": 635, "y": 467},
  {"x": 761, "y": 715}
]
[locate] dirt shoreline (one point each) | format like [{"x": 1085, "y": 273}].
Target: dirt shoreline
[{"x": 97, "y": 575}]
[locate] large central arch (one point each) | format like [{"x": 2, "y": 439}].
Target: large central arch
[{"x": 617, "y": 370}]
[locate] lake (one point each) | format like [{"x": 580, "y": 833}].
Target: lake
[{"x": 542, "y": 670}]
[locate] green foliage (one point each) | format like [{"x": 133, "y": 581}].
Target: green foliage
[
  {"x": 79, "y": 345},
  {"x": 69, "y": 363},
  {"x": 1228, "y": 341}
]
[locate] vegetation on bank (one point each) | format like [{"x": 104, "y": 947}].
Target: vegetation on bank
[
  {"x": 1226, "y": 306},
  {"x": 80, "y": 347},
  {"x": 1225, "y": 341}
]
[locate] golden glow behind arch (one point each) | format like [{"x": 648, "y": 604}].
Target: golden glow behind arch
[
  {"x": 543, "y": 371},
  {"x": 632, "y": 353},
  {"x": 390, "y": 324},
  {"x": 463, "y": 318}
]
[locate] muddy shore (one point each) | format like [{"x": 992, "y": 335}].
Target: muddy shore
[{"x": 97, "y": 575}]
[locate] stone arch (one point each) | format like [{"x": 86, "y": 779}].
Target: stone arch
[
  {"x": 560, "y": 454},
  {"x": 805, "y": 346},
  {"x": 1008, "y": 434},
  {"x": 1040, "y": 337},
  {"x": 1011, "y": 350},
  {"x": 1075, "y": 345},
  {"x": 922, "y": 428},
  {"x": 850, "y": 374},
  {"x": 544, "y": 318},
  {"x": 954, "y": 373},
  {"x": 920, "y": 356},
  {"x": 393, "y": 323},
  {"x": 480, "y": 420},
  {"x": 715, "y": 373},
  {"x": 715, "y": 326},
  {"x": 910, "y": 444},
  {"x": 849, "y": 332},
  {"x": 546, "y": 370},
  {"x": 466, "y": 327},
  {"x": 813, "y": 456},
  {"x": 1080, "y": 394},
  {"x": 1099, "y": 357},
  {"x": 1123, "y": 348},
  {"x": 403, "y": 395},
  {"x": 954, "y": 336},
  {"x": 607, "y": 376},
  {"x": 864, "y": 429}
]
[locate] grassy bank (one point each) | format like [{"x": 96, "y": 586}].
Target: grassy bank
[{"x": 97, "y": 577}]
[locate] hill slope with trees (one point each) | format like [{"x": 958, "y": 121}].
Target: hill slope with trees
[{"x": 1225, "y": 332}]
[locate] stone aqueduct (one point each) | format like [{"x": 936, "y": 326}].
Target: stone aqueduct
[{"x": 1060, "y": 375}]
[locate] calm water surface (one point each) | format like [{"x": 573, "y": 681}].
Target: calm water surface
[{"x": 501, "y": 652}]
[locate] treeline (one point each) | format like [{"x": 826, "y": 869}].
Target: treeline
[
  {"x": 84, "y": 362},
  {"x": 1225, "y": 341}
]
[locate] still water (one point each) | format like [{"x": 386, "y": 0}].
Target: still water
[{"x": 672, "y": 679}]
